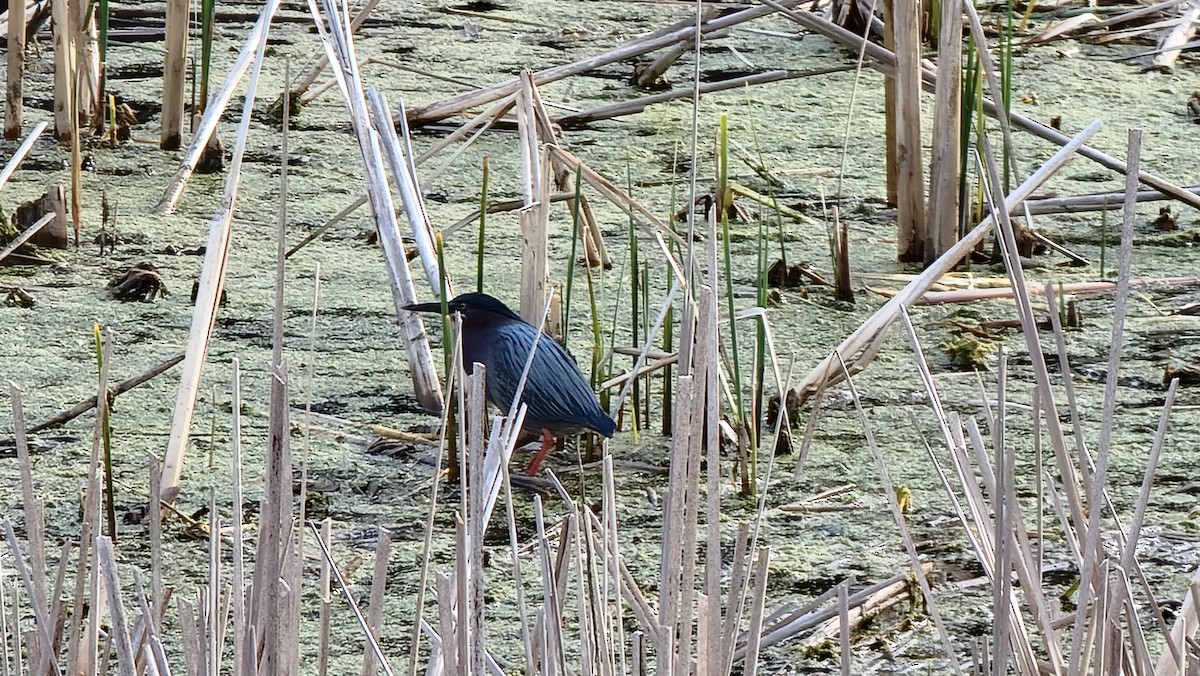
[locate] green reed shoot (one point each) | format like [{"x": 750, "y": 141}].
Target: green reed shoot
[
  {"x": 575, "y": 234},
  {"x": 479, "y": 244},
  {"x": 207, "y": 10},
  {"x": 448, "y": 357},
  {"x": 635, "y": 300},
  {"x": 724, "y": 196},
  {"x": 110, "y": 509}
]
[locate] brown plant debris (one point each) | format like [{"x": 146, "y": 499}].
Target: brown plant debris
[
  {"x": 1188, "y": 374},
  {"x": 780, "y": 275},
  {"x": 1166, "y": 219},
  {"x": 140, "y": 282},
  {"x": 17, "y": 297}
]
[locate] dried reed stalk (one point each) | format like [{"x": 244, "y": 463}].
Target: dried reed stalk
[
  {"x": 65, "y": 119},
  {"x": 1074, "y": 288},
  {"x": 1094, "y": 202},
  {"x": 1169, "y": 47},
  {"x": 383, "y": 549},
  {"x": 114, "y": 391},
  {"x": 461, "y": 102},
  {"x": 14, "y": 96},
  {"x": 870, "y": 331},
  {"x": 88, "y": 105},
  {"x": 905, "y": 27},
  {"x": 212, "y": 274},
  {"x": 534, "y": 217},
  {"x": 339, "y": 47},
  {"x": 34, "y": 527},
  {"x": 26, "y": 235},
  {"x": 174, "y": 76},
  {"x": 251, "y": 52},
  {"x": 22, "y": 150},
  {"x": 398, "y": 152},
  {"x": 945, "y": 165},
  {"x": 884, "y": 60},
  {"x": 1093, "y": 554},
  {"x": 107, "y": 561}
]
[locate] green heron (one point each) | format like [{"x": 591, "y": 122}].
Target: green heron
[{"x": 558, "y": 398}]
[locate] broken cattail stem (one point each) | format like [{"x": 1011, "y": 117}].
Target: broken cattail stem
[
  {"x": 14, "y": 96},
  {"x": 945, "y": 166},
  {"x": 174, "y": 65},
  {"x": 905, "y": 28}
]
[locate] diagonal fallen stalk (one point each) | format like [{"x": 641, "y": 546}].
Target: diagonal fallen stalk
[
  {"x": 873, "y": 328},
  {"x": 19, "y": 154},
  {"x": 460, "y": 102},
  {"x": 212, "y": 274},
  {"x": 26, "y": 235},
  {"x": 215, "y": 109},
  {"x": 117, "y": 389}
]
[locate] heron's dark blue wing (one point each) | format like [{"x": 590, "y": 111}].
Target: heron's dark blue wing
[{"x": 556, "y": 392}]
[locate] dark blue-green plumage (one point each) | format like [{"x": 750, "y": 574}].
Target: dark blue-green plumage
[{"x": 557, "y": 395}]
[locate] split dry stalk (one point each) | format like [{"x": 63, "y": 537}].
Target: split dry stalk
[
  {"x": 339, "y": 48},
  {"x": 298, "y": 91},
  {"x": 212, "y": 274},
  {"x": 398, "y": 152}
]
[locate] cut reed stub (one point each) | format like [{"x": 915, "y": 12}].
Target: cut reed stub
[{"x": 53, "y": 234}]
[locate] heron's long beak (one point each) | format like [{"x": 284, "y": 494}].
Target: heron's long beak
[{"x": 425, "y": 307}]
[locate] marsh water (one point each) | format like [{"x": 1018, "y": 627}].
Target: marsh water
[{"x": 353, "y": 367}]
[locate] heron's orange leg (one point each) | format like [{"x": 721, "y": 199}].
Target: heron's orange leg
[{"x": 535, "y": 465}]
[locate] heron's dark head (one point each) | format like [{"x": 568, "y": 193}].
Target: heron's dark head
[{"x": 472, "y": 306}]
